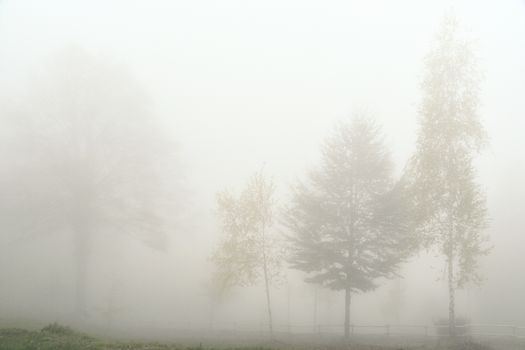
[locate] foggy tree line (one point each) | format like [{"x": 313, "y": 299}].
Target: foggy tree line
[
  {"x": 86, "y": 156},
  {"x": 350, "y": 224}
]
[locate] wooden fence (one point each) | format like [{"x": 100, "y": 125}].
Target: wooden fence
[{"x": 415, "y": 330}]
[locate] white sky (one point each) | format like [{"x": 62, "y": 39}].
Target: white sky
[{"x": 245, "y": 82}]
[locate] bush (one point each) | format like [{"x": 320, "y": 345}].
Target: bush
[{"x": 55, "y": 328}]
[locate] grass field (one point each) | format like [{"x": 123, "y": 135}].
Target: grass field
[
  {"x": 63, "y": 338},
  {"x": 56, "y": 337}
]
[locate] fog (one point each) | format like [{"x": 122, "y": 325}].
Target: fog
[{"x": 176, "y": 101}]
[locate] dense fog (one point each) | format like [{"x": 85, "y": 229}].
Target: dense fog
[{"x": 128, "y": 129}]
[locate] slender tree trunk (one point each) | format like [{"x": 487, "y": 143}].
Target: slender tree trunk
[
  {"x": 82, "y": 241},
  {"x": 316, "y": 297},
  {"x": 451, "y": 296},
  {"x": 266, "y": 278},
  {"x": 212, "y": 313},
  {"x": 268, "y": 301},
  {"x": 348, "y": 297},
  {"x": 288, "y": 305}
]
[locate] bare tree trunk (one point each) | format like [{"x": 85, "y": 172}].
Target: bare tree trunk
[
  {"x": 82, "y": 249},
  {"x": 212, "y": 313},
  {"x": 288, "y": 305},
  {"x": 316, "y": 297},
  {"x": 266, "y": 278},
  {"x": 348, "y": 296},
  {"x": 451, "y": 296},
  {"x": 268, "y": 302}
]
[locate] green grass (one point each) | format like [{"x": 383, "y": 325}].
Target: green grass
[
  {"x": 57, "y": 337},
  {"x": 19, "y": 339}
]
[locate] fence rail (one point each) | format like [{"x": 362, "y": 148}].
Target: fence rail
[{"x": 428, "y": 330}]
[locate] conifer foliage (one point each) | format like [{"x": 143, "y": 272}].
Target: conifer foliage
[{"x": 348, "y": 224}]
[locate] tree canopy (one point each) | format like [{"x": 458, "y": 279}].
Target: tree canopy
[
  {"x": 250, "y": 250},
  {"x": 87, "y": 155},
  {"x": 348, "y": 224},
  {"x": 449, "y": 206}
]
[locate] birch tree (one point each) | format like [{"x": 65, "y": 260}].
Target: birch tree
[
  {"x": 249, "y": 250},
  {"x": 449, "y": 205}
]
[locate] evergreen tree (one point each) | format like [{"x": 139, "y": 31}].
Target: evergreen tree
[{"x": 348, "y": 223}]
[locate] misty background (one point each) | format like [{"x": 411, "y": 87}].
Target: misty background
[{"x": 235, "y": 86}]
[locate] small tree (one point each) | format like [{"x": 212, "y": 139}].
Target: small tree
[
  {"x": 249, "y": 249},
  {"x": 348, "y": 224},
  {"x": 448, "y": 204}
]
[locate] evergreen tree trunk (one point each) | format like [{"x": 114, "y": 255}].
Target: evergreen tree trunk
[
  {"x": 316, "y": 297},
  {"x": 348, "y": 296},
  {"x": 212, "y": 314},
  {"x": 451, "y": 297}
]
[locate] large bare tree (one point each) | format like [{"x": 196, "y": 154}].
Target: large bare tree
[{"x": 87, "y": 156}]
